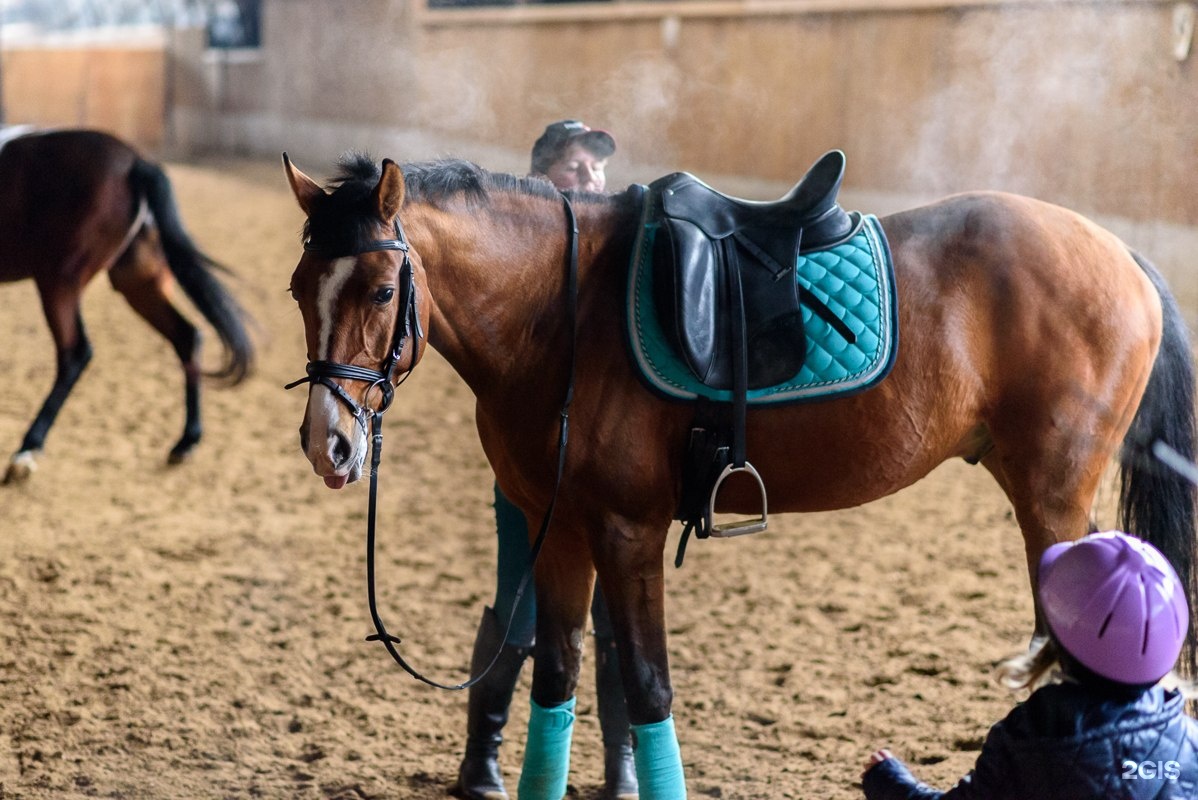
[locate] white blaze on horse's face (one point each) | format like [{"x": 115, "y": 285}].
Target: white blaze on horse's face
[
  {"x": 335, "y": 440},
  {"x": 331, "y": 285}
]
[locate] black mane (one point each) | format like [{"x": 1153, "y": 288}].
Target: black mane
[{"x": 344, "y": 220}]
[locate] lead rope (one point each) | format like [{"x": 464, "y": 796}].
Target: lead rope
[{"x": 390, "y": 641}]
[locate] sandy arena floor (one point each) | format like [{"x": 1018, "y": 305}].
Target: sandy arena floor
[{"x": 197, "y": 632}]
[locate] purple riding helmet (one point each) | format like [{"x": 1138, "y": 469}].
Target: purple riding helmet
[{"x": 1116, "y": 605}]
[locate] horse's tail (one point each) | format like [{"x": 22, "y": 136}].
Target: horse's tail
[
  {"x": 193, "y": 269},
  {"x": 1157, "y": 503}
]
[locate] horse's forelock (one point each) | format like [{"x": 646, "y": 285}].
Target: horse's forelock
[
  {"x": 343, "y": 218},
  {"x": 356, "y": 168}
]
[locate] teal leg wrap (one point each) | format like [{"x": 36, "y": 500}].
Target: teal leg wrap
[
  {"x": 547, "y": 752},
  {"x": 658, "y": 761}
]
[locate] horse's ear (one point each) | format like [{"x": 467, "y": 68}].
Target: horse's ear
[
  {"x": 388, "y": 195},
  {"x": 305, "y": 189}
]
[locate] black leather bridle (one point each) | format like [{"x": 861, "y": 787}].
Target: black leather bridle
[{"x": 407, "y": 326}]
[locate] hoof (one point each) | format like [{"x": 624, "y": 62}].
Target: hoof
[
  {"x": 20, "y": 468},
  {"x": 182, "y": 450}
]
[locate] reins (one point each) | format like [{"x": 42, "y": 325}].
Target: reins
[{"x": 323, "y": 372}]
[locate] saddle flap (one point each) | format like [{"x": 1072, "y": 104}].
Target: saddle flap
[
  {"x": 686, "y": 291},
  {"x": 692, "y": 290}
]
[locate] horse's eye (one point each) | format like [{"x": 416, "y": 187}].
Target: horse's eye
[{"x": 383, "y": 296}]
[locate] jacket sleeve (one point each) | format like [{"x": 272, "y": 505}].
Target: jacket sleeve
[
  {"x": 891, "y": 780},
  {"x": 989, "y": 779}
]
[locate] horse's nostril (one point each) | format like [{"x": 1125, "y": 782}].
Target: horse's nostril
[
  {"x": 341, "y": 449},
  {"x": 303, "y": 432}
]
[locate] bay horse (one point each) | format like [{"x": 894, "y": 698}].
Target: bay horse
[
  {"x": 75, "y": 203},
  {"x": 1032, "y": 342}
]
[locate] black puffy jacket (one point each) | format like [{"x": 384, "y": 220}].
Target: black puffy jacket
[{"x": 1068, "y": 743}]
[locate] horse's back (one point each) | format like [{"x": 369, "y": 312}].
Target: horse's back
[
  {"x": 10, "y": 132},
  {"x": 1014, "y": 316},
  {"x": 53, "y": 152},
  {"x": 1003, "y": 227},
  {"x": 59, "y": 190},
  {"x": 1033, "y": 268}
]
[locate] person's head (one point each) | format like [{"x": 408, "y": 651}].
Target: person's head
[
  {"x": 573, "y": 156},
  {"x": 1116, "y": 611}
]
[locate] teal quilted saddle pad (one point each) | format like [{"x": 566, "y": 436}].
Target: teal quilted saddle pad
[{"x": 854, "y": 279}]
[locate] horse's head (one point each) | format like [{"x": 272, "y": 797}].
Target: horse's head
[{"x": 359, "y": 289}]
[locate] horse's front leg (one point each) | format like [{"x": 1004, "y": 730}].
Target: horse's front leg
[
  {"x": 564, "y": 580},
  {"x": 629, "y": 560}
]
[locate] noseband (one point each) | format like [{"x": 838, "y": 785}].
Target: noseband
[{"x": 406, "y": 326}]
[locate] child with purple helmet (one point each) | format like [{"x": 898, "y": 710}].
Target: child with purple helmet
[{"x": 1100, "y": 725}]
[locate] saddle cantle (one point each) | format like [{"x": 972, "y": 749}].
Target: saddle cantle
[{"x": 724, "y": 282}]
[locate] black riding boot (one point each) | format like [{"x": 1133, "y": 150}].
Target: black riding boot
[
  {"x": 619, "y": 770},
  {"x": 479, "y": 776}
]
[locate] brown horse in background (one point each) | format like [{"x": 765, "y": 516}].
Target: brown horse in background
[
  {"x": 75, "y": 203},
  {"x": 1033, "y": 342}
]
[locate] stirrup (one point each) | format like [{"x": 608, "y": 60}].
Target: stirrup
[{"x": 736, "y": 527}]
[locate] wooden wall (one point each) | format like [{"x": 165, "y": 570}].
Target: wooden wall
[
  {"x": 1079, "y": 102},
  {"x": 116, "y": 87}
]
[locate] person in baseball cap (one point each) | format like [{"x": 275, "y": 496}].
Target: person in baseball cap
[{"x": 573, "y": 156}]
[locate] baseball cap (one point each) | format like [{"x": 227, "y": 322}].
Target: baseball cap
[{"x": 559, "y": 135}]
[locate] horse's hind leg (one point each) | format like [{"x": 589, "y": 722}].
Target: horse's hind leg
[
  {"x": 141, "y": 275},
  {"x": 1051, "y": 462},
  {"x": 74, "y": 351},
  {"x": 1050, "y": 505}
]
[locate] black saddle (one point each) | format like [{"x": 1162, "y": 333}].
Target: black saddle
[
  {"x": 720, "y": 259},
  {"x": 726, "y": 294}
]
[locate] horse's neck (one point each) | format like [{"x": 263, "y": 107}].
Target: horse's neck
[{"x": 497, "y": 278}]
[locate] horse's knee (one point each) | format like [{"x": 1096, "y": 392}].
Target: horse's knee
[{"x": 555, "y": 674}]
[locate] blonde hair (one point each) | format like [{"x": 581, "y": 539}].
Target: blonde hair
[{"x": 1041, "y": 665}]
